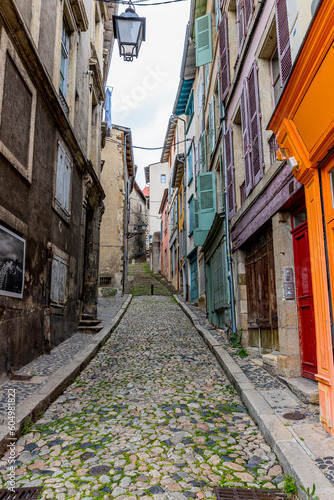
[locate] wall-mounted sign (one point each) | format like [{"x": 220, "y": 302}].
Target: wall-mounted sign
[{"x": 12, "y": 258}]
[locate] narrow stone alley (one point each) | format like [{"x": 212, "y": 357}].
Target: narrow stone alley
[{"x": 152, "y": 415}]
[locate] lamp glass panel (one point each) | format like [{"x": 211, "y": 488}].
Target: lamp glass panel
[{"x": 128, "y": 30}]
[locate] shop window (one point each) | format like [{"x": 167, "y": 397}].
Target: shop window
[{"x": 163, "y": 178}]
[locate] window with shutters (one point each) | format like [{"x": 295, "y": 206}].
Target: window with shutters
[
  {"x": 203, "y": 153},
  {"x": 238, "y": 161},
  {"x": 58, "y": 280},
  {"x": 203, "y": 33},
  {"x": 275, "y": 77},
  {"x": 228, "y": 144},
  {"x": 191, "y": 215},
  {"x": 255, "y": 124},
  {"x": 224, "y": 64},
  {"x": 63, "y": 182},
  {"x": 283, "y": 40},
  {"x": 190, "y": 165},
  {"x": 251, "y": 130},
  {"x": 212, "y": 124},
  {"x": 64, "y": 59},
  {"x": 245, "y": 10},
  {"x": 190, "y": 110},
  {"x": 199, "y": 96}
]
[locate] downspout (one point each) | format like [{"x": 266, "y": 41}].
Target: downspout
[
  {"x": 47, "y": 310},
  {"x": 125, "y": 215},
  {"x": 227, "y": 227}
]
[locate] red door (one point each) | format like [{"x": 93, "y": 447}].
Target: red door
[{"x": 305, "y": 301}]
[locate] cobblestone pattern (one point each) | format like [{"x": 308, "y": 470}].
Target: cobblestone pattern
[
  {"x": 47, "y": 364},
  {"x": 152, "y": 416}
]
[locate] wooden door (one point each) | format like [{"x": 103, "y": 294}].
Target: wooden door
[{"x": 307, "y": 340}]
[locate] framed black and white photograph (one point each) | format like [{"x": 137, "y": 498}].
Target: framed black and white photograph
[{"x": 12, "y": 257}]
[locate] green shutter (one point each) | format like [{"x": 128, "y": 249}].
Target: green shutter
[
  {"x": 207, "y": 197},
  {"x": 199, "y": 234},
  {"x": 203, "y": 40}
]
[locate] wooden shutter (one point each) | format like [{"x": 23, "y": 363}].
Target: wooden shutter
[
  {"x": 224, "y": 65},
  {"x": 203, "y": 152},
  {"x": 283, "y": 40},
  {"x": 195, "y": 213},
  {"x": 58, "y": 280},
  {"x": 228, "y": 142},
  {"x": 241, "y": 23},
  {"x": 246, "y": 149},
  {"x": 255, "y": 125},
  {"x": 60, "y": 175},
  {"x": 190, "y": 165},
  {"x": 207, "y": 196},
  {"x": 249, "y": 7},
  {"x": 212, "y": 125},
  {"x": 203, "y": 40},
  {"x": 63, "y": 179}
]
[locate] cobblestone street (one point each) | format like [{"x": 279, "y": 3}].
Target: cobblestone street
[{"x": 152, "y": 415}]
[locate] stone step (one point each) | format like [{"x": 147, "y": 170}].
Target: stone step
[
  {"x": 304, "y": 388},
  {"x": 86, "y": 316},
  {"x": 89, "y": 322},
  {"x": 89, "y": 329}
]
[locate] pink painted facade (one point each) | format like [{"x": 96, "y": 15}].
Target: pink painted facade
[{"x": 164, "y": 254}]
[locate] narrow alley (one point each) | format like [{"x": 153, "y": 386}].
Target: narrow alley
[{"x": 152, "y": 415}]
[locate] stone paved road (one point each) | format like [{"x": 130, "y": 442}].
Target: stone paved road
[{"x": 151, "y": 416}]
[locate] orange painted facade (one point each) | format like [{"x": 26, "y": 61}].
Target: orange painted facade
[{"x": 303, "y": 123}]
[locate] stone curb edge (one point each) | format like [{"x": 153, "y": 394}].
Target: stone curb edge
[
  {"x": 29, "y": 410},
  {"x": 292, "y": 456}
]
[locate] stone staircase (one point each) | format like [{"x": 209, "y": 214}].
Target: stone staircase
[{"x": 88, "y": 324}]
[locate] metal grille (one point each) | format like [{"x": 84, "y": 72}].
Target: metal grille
[
  {"x": 243, "y": 494},
  {"x": 31, "y": 493},
  {"x": 105, "y": 280}
]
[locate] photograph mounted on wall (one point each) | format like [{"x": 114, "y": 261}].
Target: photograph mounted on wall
[{"x": 12, "y": 256}]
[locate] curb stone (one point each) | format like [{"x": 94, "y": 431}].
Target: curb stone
[
  {"x": 30, "y": 409},
  {"x": 292, "y": 456}
]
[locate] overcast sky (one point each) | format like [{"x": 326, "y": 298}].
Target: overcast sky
[{"x": 144, "y": 90}]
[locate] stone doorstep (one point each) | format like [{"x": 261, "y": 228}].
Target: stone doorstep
[{"x": 304, "y": 388}]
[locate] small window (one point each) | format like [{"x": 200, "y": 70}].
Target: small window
[
  {"x": 275, "y": 77},
  {"x": 64, "y": 59},
  {"x": 163, "y": 178}
]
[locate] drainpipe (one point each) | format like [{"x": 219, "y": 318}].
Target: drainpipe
[
  {"x": 227, "y": 226},
  {"x": 125, "y": 257},
  {"x": 47, "y": 310}
]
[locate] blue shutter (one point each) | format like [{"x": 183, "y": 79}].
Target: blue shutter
[
  {"x": 203, "y": 40},
  {"x": 193, "y": 280}
]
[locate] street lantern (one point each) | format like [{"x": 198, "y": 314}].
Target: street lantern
[{"x": 129, "y": 29}]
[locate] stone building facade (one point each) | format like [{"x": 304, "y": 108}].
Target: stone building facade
[
  {"x": 55, "y": 56},
  {"x": 117, "y": 180}
]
